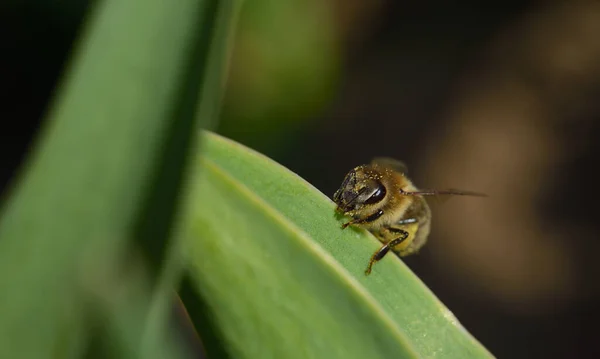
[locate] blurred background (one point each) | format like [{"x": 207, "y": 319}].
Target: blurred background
[{"x": 498, "y": 97}]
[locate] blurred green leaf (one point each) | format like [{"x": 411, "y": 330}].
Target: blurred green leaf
[
  {"x": 272, "y": 275},
  {"x": 105, "y": 181},
  {"x": 285, "y": 67}
]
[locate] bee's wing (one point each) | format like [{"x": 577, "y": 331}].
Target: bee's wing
[
  {"x": 441, "y": 196},
  {"x": 391, "y": 163}
]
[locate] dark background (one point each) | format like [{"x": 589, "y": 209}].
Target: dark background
[{"x": 498, "y": 97}]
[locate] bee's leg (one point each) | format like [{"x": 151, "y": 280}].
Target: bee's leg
[
  {"x": 368, "y": 219},
  {"x": 377, "y": 256}
]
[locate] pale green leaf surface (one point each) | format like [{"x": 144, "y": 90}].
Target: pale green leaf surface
[
  {"x": 277, "y": 293},
  {"x": 268, "y": 256}
]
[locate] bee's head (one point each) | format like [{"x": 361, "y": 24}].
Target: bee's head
[{"x": 361, "y": 187}]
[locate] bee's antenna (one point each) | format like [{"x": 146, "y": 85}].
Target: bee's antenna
[
  {"x": 361, "y": 191},
  {"x": 433, "y": 192}
]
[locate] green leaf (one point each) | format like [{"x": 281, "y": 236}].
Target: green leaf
[
  {"x": 86, "y": 264},
  {"x": 272, "y": 275}
]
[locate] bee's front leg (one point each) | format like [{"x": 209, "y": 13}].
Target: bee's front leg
[
  {"x": 368, "y": 219},
  {"x": 377, "y": 256}
]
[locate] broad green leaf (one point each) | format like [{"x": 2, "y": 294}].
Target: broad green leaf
[
  {"x": 277, "y": 277},
  {"x": 105, "y": 180}
]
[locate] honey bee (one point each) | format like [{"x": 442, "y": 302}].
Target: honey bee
[{"x": 380, "y": 198}]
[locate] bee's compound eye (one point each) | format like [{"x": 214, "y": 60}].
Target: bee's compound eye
[{"x": 377, "y": 193}]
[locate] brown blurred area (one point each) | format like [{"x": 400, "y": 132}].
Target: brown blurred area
[
  {"x": 497, "y": 97},
  {"x": 514, "y": 128}
]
